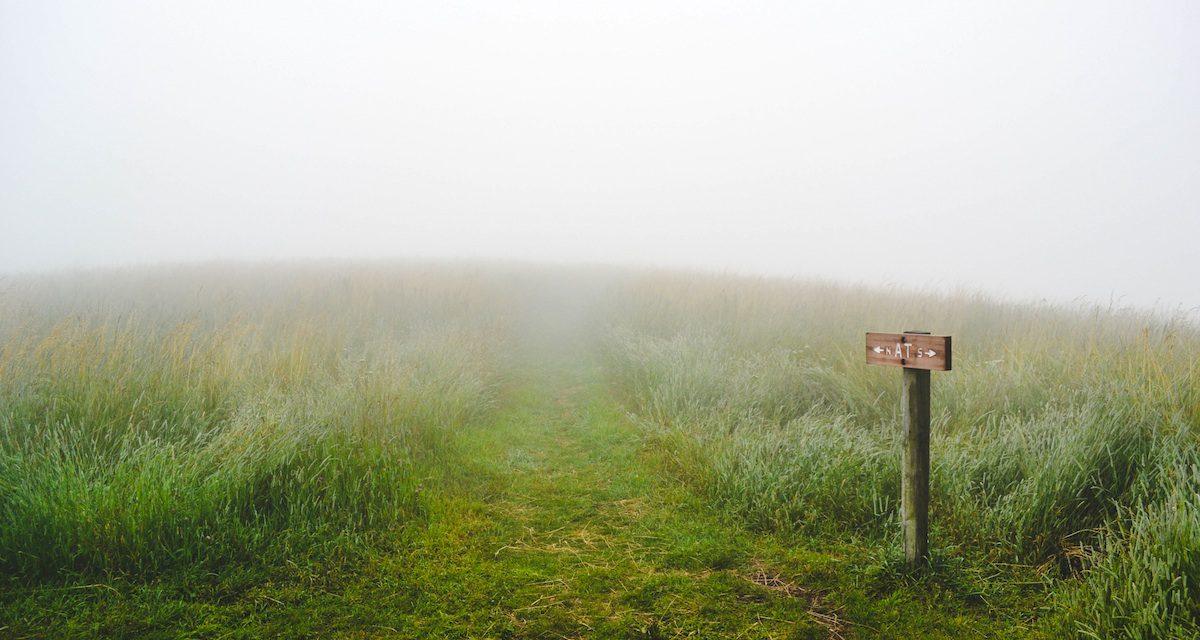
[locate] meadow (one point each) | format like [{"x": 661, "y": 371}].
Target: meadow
[
  {"x": 1064, "y": 439},
  {"x": 485, "y": 450},
  {"x": 181, "y": 419}
]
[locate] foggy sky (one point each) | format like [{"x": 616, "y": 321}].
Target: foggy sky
[{"x": 1029, "y": 150}]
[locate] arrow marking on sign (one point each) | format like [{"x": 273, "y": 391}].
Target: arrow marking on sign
[{"x": 928, "y": 354}]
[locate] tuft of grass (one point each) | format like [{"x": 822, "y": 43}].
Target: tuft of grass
[{"x": 1146, "y": 579}]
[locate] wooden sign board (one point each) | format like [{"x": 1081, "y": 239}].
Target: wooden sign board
[{"x": 909, "y": 350}]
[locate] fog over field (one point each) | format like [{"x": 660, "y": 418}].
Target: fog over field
[
  {"x": 537, "y": 319},
  {"x": 1032, "y": 150}
]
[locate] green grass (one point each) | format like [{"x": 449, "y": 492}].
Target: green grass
[
  {"x": 557, "y": 523},
  {"x": 506, "y": 452},
  {"x": 1062, "y": 440}
]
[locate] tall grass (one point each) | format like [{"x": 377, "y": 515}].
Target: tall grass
[
  {"x": 151, "y": 422},
  {"x": 1064, "y": 437},
  {"x": 197, "y": 417},
  {"x": 1147, "y": 583}
]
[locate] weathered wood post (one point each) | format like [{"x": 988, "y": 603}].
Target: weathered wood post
[
  {"x": 919, "y": 353},
  {"x": 914, "y": 484}
]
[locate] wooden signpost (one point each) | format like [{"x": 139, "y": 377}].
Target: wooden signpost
[{"x": 919, "y": 353}]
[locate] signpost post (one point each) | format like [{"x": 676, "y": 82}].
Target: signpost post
[{"x": 918, "y": 353}]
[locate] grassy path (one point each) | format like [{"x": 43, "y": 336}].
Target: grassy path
[
  {"x": 577, "y": 532},
  {"x": 558, "y": 523},
  {"x": 583, "y": 539}
]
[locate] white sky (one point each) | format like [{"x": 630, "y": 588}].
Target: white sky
[{"x": 1023, "y": 149}]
